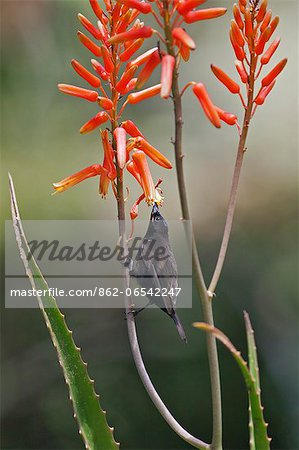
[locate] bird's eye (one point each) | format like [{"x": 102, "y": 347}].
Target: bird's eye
[{"x": 157, "y": 218}]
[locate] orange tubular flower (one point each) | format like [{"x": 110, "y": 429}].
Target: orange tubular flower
[
  {"x": 66, "y": 183},
  {"x": 108, "y": 155},
  {"x": 132, "y": 168},
  {"x": 207, "y": 104},
  {"x": 242, "y": 72},
  {"x": 183, "y": 37},
  {"x": 204, "y": 14},
  {"x": 144, "y": 32},
  {"x": 142, "y": 59},
  {"x": 148, "y": 69},
  {"x": 98, "y": 11},
  {"x": 108, "y": 63},
  {"x": 151, "y": 151},
  {"x": 131, "y": 128},
  {"x": 228, "y": 118},
  {"x": 238, "y": 17},
  {"x": 151, "y": 194},
  {"x": 239, "y": 51},
  {"x": 87, "y": 94},
  {"x": 262, "y": 41},
  {"x": 226, "y": 80},
  {"x": 237, "y": 34},
  {"x": 143, "y": 7},
  {"x": 105, "y": 103},
  {"x": 95, "y": 122},
  {"x": 168, "y": 63},
  {"x": 121, "y": 152},
  {"x": 270, "y": 52},
  {"x": 274, "y": 73},
  {"x": 262, "y": 11},
  {"x": 248, "y": 23},
  {"x": 90, "y": 27},
  {"x": 266, "y": 21},
  {"x": 94, "y": 48},
  {"x": 188, "y": 5},
  {"x": 125, "y": 79},
  {"x": 137, "y": 97},
  {"x": 99, "y": 69},
  {"x": 129, "y": 52},
  {"x": 263, "y": 94},
  {"x": 84, "y": 73}
]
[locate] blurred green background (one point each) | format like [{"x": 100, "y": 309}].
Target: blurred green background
[{"x": 41, "y": 144}]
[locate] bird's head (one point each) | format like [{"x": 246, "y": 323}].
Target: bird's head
[{"x": 157, "y": 221}]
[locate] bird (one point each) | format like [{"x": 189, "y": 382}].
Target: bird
[{"x": 157, "y": 274}]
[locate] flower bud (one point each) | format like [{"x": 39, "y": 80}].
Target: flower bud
[
  {"x": 143, "y": 7},
  {"x": 131, "y": 128},
  {"x": 231, "y": 85},
  {"x": 108, "y": 63},
  {"x": 185, "y": 6},
  {"x": 95, "y": 122},
  {"x": 129, "y": 52},
  {"x": 144, "y": 32},
  {"x": 89, "y": 27},
  {"x": 152, "y": 152},
  {"x": 228, "y": 118},
  {"x": 99, "y": 69},
  {"x": 105, "y": 103},
  {"x": 264, "y": 38},
  {"x": 91, "y": 46},
  {"x": 263, "y": 94},
  {"x": 238, "y": 17},
  {"x": 84, "y": 73},
  {"x": 262, "y": 11},
  {"x": 168, "y": 63},
  {"x": 270, "y": 52},
  {"x": 266, "y": 21},
  {"x": 180, "y": 35},
  {"x": 204, "y": 14},
  {"x": 242, "y": 72},
  {"x": 137, "y": 97},
  {"x": 207, "y": 104},
  {"x": 274, "y": 73},
  {"x": 148, "y": 69},
  {"x": 87, "y": 94},
  {"x": 121, "y": 152},
  {"x": 125, "y": 79},
  {"x": 237, "y": 34}
]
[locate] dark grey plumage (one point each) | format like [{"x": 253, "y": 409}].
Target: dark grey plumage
[{"x": 158, "y": 273}]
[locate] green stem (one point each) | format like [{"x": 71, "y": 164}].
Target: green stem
[{"x": 200, "y": 283}]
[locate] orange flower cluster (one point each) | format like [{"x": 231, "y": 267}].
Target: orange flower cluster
[
  {"x": 251, "y": 30},
  {"x": 119, "y": 34}
]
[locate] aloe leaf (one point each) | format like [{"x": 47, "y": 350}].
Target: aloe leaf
[
  {"x": 259, "y": 434},
  {"x": 93, "y": 427},
  {"x": 254, "y": 370}
]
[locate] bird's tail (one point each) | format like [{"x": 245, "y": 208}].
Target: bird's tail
[{"x": 179, "y": 326}]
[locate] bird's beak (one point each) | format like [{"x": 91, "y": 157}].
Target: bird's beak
[{"x": 155, "y": 211}]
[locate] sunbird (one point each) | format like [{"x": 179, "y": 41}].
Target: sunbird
[{"x": 155, "y": 269}]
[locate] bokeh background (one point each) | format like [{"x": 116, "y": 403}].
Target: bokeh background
[{"x": 41, "y": 144}]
